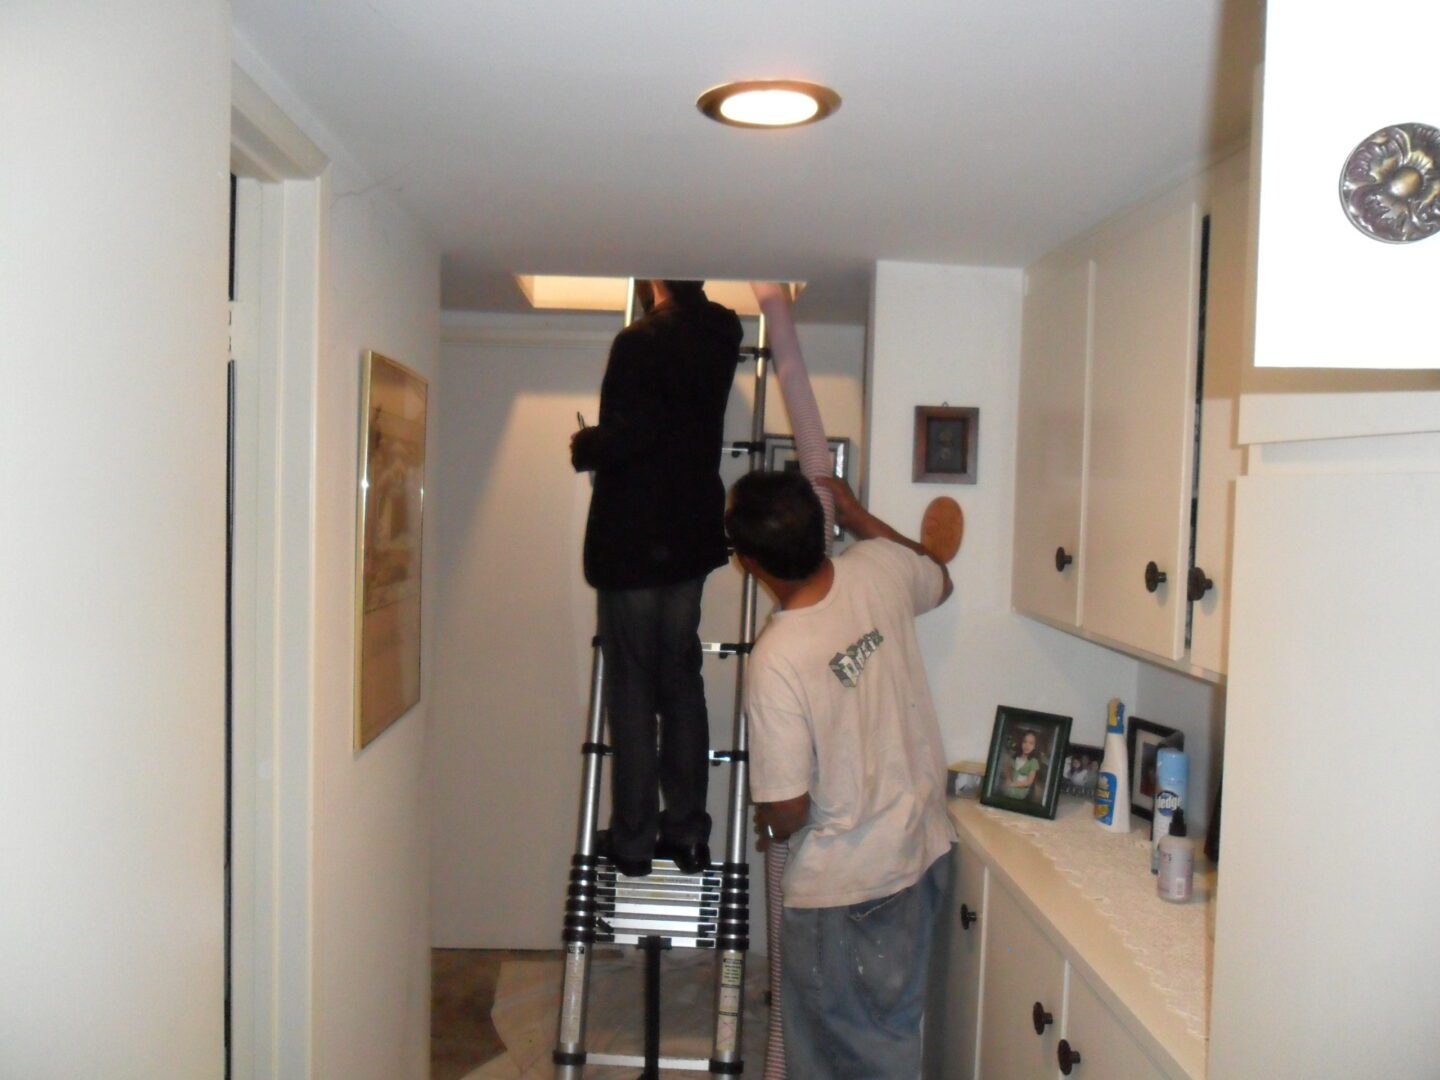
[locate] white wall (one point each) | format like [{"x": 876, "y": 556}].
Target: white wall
[
  {"x": 516, "y": 616},
  {"x": 113, "y": 199},
  {"x": 952, "y": 334},
  {"x": 371, "y": 907}
]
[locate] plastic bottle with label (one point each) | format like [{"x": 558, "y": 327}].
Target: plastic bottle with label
[
  {"x": 1112, "y": 789},
  {"x": 1176, "y": 882}
]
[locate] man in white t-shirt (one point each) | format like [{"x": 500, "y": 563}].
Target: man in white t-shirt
[{"x": 846, "y": 762}]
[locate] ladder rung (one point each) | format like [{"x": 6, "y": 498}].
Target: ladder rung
[
  {"x": 742, "y": 446},
  {"x": 659, "y": 925},
  {"x": 724, "y": 648},
  {"x": 678, "y": 942},
  {"x": 679, "y": 911},
  {"x": 630, "y": 1061}
]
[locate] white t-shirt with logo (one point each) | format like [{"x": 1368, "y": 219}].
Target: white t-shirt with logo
[{"x": 839, "y": 707}]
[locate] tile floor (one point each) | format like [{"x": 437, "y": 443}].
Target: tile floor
[{"x": 462, "y": 991}]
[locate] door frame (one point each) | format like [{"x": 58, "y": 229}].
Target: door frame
[{"x": 281, "y": 241}]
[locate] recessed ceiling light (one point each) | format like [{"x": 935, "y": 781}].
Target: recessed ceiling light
[{"x": 768, "y": 103}]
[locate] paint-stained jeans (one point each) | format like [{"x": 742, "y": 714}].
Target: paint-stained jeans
[
  {"x": 652, "y": 654},
  {"x": 853, "y": 986}
]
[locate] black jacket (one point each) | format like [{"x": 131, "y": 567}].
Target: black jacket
[{"x": 657, "y": 514}]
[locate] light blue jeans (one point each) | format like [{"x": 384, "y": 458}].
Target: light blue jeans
[{"x": 853, "y": 986}]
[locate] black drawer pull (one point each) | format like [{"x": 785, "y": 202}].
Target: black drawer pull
[
  {"x": 1198, "y": 584},
  {"x": 1067, "y": 1056},
  {"x": 968, "y": 918},
  {"x": 1154, "y": 577},
  {"x": 1062, "y": 559},
  {"x": 1040, "y": 1018}
]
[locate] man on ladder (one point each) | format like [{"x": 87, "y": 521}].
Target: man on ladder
[{"x": 655, "y": 531}]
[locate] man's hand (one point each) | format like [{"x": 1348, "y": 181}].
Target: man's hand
[
  {"x": 865, "y": 525},
  {"x": 849, "y": 514},
  {"x": 778, "y": 820}
]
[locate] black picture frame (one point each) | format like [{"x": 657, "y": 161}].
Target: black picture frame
[
  {"x": 1080, "y": 781},
  {"x": 1144, "y": 740},
  {"x": 782, "y": 455},
  {"x": 1042, "y": 790},
  {"x": 947, "y": 444}
]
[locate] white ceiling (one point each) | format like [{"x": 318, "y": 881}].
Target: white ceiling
[{"x": 561, "y": 136}]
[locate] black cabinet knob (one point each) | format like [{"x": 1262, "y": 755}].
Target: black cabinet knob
[
  {"x": 1040, "y": 1018},
  {"x": 968, "y": 918},
  {"x": 1198, "y": 584},
  {"x": 1068, "y": 1057},
  {"x": 1154, "y": 577},
  {"x": 1062, "y": 559}
]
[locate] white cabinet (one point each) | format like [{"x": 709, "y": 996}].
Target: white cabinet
[
  {"x": 1024, "y": 994},
  {"x": 1018, "y": 945},
  {"x": 1094, "y": 1043},
  {"x": 1133, "y": 335},
  {"x": 1326, "y": 938},
  {"x": 952, "y": 1008},
  {"x": 1142, "y": 425},
  {"x": 1053, "y": 372}
]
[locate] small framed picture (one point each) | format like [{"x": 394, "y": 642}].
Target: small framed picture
[
  {"x": 1026, "y": 761},
  {"x": 1145, "y": 740},
  {"x": 1081, "y": 769},
  {"x": 947, "y": 444},
  {"x": 781, "y": 455}
]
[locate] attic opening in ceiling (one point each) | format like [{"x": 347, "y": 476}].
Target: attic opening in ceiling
[{"x": 560, "y": 292}]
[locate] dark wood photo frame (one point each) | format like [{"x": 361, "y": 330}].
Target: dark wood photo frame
[
  {"x": 1144, "y": 740},
  {"x": 947, "y": 444},
  {"x": 1038, "y": 782}
]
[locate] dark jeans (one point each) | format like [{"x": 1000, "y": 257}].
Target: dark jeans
[
  {"x": 853, "y": 983},
  {"x": 651, "y": 645}
]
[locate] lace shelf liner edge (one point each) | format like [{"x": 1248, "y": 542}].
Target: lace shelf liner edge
[{"x": 1170, "y": 942}]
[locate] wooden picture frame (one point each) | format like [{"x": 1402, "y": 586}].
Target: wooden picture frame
[
  {"x": 1022, "y": 775},
  {"x": 388, "y": 544},
  {"x": 1143, "y": 741},
  {"x": 947, "y": 444}
]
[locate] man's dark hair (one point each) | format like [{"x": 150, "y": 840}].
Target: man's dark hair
[
  {"x": 776, "y": 519},
  {"x": 686, "y": 292}
]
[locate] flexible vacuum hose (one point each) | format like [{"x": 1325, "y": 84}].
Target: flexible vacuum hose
[{"x": 813, "y": 451}]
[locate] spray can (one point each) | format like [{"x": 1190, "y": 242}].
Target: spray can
[
  {"x": 1172, "y": 788},
  {"x": 1112, "y": 789}
]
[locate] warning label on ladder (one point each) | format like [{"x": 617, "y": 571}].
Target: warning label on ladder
[{"x": 727, "y": 1020}]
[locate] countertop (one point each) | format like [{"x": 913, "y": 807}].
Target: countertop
[{"x": 1088, "y": 937}]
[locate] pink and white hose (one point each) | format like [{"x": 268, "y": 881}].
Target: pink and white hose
[{"x": 813, "y": 451}]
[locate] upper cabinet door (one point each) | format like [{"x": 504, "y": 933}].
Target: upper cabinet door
[
  {"x": 1142, "y": 425},
  {"x": 1050, "y": 447}
]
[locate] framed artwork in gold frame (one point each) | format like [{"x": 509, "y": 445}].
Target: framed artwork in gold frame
[{"x": 391, "y": 501}]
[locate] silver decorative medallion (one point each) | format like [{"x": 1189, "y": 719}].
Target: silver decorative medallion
[{"x": 1391, "y": 184}]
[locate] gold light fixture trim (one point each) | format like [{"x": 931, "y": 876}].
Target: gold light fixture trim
[{"x": 768, "y": 103}]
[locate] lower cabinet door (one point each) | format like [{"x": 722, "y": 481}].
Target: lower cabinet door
[
  {"x": 952, "y": 1010},
  {"x": 1096, "y": 1044},
  {"x": 1024, "y": 983}
]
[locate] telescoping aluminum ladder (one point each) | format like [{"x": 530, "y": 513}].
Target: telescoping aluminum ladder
[{"x": 668, "y": 908}]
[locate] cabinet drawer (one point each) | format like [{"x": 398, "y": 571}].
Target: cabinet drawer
[{"x": 1105, "y": 1050}]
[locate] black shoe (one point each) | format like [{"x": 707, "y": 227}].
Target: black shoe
[
  {"x": 604, "y": 846},
  {"x": 690, "y": 858}
]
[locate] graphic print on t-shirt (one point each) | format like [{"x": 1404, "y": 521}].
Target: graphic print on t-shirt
[{"x": 847, "y": 665}]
